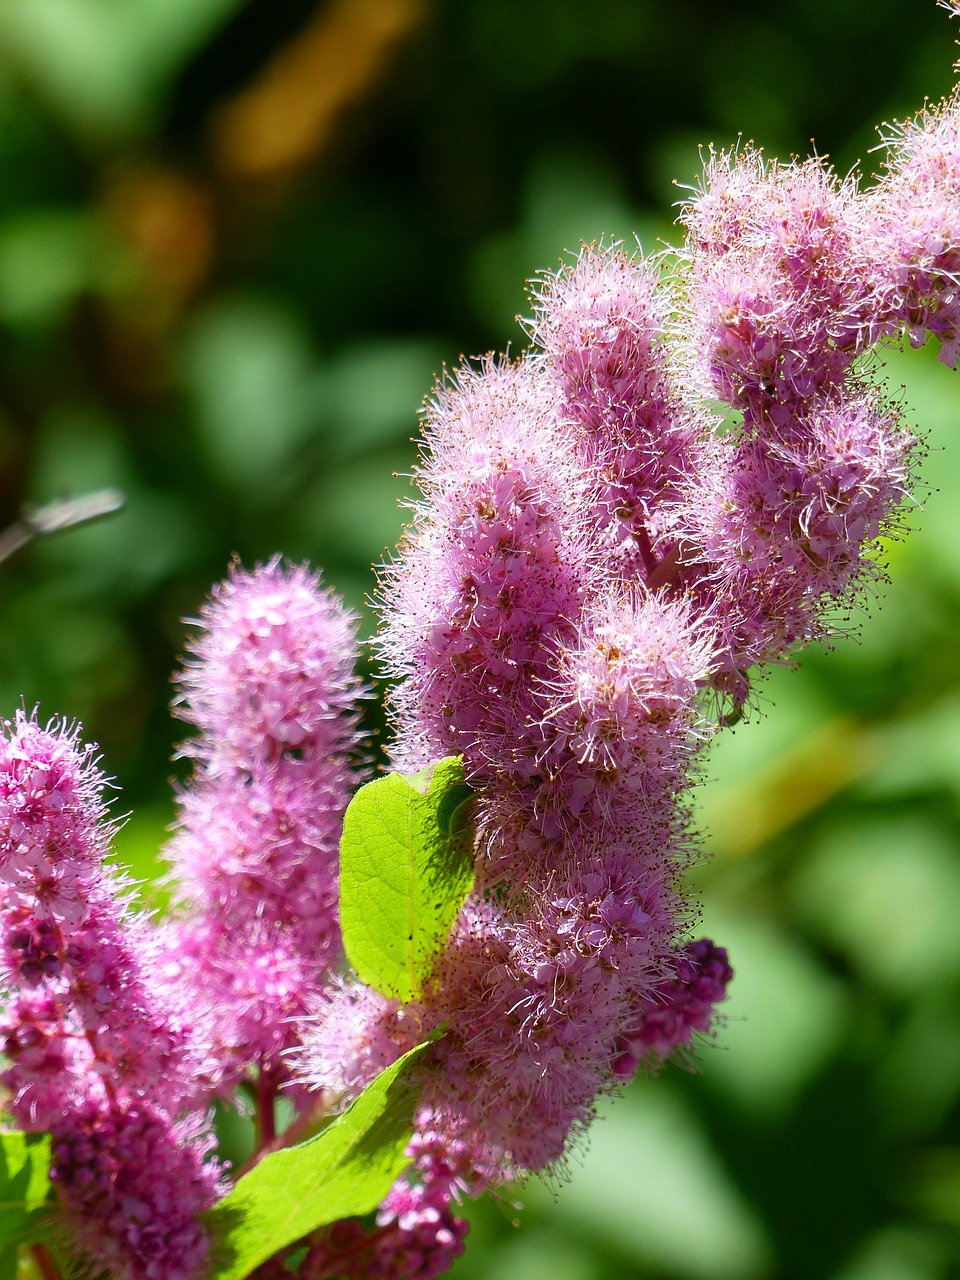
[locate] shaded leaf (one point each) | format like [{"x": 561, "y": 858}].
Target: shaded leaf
[
  {"x": 24, "y": 1189},
  {"x": 344, "y": 1171}
]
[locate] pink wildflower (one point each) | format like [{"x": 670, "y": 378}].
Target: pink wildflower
[
  {"x": 786, "y": 527},
  {"x": 493, "y": 573},
  {"x": 353, "y": 1034},
  {"x": 92, "y": 1053},
  {"x": 271, "y": 677},
  {"x": 603, "y": 324},
  {"x": 133, "y": 1186},
  {"x": 677, "y": 1008},
  {"x": 271, "y": 687},
  {"x": 782, "y": 296},
  {"x": 68, "y": 932},
  {"x": 912, "y": 223}
]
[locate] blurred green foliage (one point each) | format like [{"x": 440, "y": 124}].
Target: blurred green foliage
[{"x": 237, "y": 240}]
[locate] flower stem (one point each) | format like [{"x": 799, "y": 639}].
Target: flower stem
[
  {"x": 44, "y": 1263},
  {"x": 266, "y": 1114}
]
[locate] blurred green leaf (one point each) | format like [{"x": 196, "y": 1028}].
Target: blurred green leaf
[
  {"x": 917, "y": 1077},
  {"x": 356, "y": 511},
  {"x": 647, "y": 1162},
  {"x": 46, "y": 258},
  {"x": 886, "y": 892},
  {"x": 901, "y": 1252},
  {"x": 247, "y": 362},
  {"x": 102, "y": 63},
  {"x": 24, "y": 1188},
  {"x": 783, "y": 1019},
  {"x": 373, "y": 390}
]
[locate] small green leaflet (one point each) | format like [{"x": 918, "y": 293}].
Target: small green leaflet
[
  {"x": 24, "y": 1192},
  {"x": 406, "y": 866},
  {"x": 346, "y": 1170}
]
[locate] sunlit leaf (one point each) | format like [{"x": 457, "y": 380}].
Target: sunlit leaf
[
  {"x": 24, "y": 1189},
  {"x": 345, "y": 1171},
  {"x": 406, "y": 866}
]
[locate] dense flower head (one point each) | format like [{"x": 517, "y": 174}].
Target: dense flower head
[
  {"x": 493, "y": 573},
  {"x": 600, "y": 322},
  {"x": 53, "y": 830},
  {"x": 68, "y": 930},
  {"x": 621, "y": 712},
  {"x": 788, "y": 526},
  {"x": 911, "y": 222},
  {"x": 132, "y": 1187},
  {"x": 532, "y": 995},
  {"x": 421, "y": 1237},
  {"x": 681, "y": 1005},
  {"x": 92, "y": 1052},
  {"x": 270, "y": 841},
  {"x": 782, "y": 295},
  {"x": 272, "y": 687},
  {"x": 603, "y": 324},
  {"x": 246, "y": 993},
  {"x": 50, "y": 1067},
  {"x": 595, "y": 554},
  {"x": 272, "y": 670},
  {"x": 352, "y": 1034}
]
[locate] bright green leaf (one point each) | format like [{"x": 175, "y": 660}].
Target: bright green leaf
[
  {"x": 344, "y": 1171},
  {"x": 24, "y": 1188},
  {"x": 406, "y": 866}
]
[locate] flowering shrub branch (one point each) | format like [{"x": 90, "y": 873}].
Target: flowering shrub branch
[{"x": 444, "y": 973}]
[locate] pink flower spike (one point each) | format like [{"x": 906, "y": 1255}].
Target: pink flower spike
[
  {"x": 677, "y": 1009},
  {"x": 272, "y": 672},
  {"x": 272, "y": 688},
  {"x": 54, "y": 834},
  {"x": 492, "y": 575},
  {"x": 132, "y": 1187},
  {"x": 604, "y": 323},
  {"x": 68, "y": 932}
]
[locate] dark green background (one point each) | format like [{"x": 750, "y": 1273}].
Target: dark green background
[{"x": 244, "y": 355}]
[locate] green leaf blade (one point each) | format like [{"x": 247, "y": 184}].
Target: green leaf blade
[
  {"x": 343, "y": 1172},
  {"x": 25, "y": 1190},
  {"x": 406, "y": 867}
]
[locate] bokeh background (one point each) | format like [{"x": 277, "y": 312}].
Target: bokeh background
[{"x": 237, "y": 240}]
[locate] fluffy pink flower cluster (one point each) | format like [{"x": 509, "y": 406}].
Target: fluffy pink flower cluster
[
  {"x": 272, "y": 690},
  {"x": 526, "y": 636},
  {"x": 598, "y": 562},
  {"x": 119, "y": 1030},
  {"x": 417, "y": 1235},
  {"x": 93, "y": 1054}
]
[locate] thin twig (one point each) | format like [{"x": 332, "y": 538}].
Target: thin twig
[{"x": 54, "y": 517}]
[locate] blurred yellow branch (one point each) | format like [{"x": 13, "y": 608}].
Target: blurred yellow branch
[
  {"x": 743, "y": 816},
  {"x": 290, "y": 111}
]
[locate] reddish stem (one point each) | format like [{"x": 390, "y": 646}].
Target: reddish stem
[
  {"x": 44, "y": 1263},
  {"x": 650, "y": 562},
  {"x": 108, "y": 1086},
  {"x": 266, "y": 1112}
]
